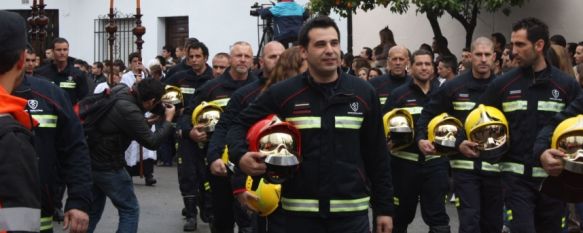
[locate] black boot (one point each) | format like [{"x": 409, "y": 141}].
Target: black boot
[
  {"x": 439, "y": 229},
  {"x": 190, "y": 206},
  {"x": 205, "y": 206},
  {"x": 150, "y": 181}
]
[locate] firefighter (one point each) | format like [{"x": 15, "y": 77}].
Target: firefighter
[
  {"x": 344, "y": 158},
  {"x": 397, "y": 61},
  {"x": 190, "y": 167},
  {"x": 418, "y": 177},
  {"x": 218, "y": 92},
  {"x": 477, "y": 183},
  {"x": 529, "y": 96}
]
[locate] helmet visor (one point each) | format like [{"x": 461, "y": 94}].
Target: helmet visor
[
  {"x": 489, "y": 137},
  {"x": 445, "y": 134},
  {"x": 281, "y": 144},
  {"x": 572, "y": 145},
  {"x": 209, "y": 119}
]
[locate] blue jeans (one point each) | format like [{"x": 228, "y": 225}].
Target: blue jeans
[{"x": 118, "y": 186}]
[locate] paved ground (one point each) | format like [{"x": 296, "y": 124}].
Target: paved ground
[{"x": 160, "y": 208}]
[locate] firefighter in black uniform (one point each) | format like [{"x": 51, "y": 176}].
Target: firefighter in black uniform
[
  {"x": 189, "y": 168},
  {"x": 418, "y": 177},
  {"x": 238, "y": 101},
  {"x": 20, "y": 198},
  {"x": 529, "y": 96},
  {"x": 398, "y": 59},
  {"x": 58, "y": 139},
  {"x": 477, "y": 182},
  {"x": 73, "y": 81},
  {"x": 344, "y": 158},
  {"x": 63, "y": 73},
  {"x": 218, "y": 91}
]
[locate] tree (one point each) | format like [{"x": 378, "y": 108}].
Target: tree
[{"x": 464, "y": 11}]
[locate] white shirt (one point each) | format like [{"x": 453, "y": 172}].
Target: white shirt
[
  {"x": 129, "y": 78},
  {"x": 100, "y": 87}
]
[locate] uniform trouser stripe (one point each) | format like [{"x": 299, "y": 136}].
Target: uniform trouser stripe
[
  {"x": 46, "y": 223},
  {"x": 20, "y": 219}
]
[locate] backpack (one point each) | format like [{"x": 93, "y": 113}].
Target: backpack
[{"x": 94, "y": 107}]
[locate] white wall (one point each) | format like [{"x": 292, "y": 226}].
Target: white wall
[
  {"x": 218, "y": 23},
  {"x": 411, "y": 29}
]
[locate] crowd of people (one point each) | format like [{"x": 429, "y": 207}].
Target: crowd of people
[{"x": 68, "y": 126}]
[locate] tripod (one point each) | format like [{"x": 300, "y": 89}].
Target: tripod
[{"x": 267, "y": 33}]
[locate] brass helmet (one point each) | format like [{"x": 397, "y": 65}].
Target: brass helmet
[
  {"x": 568, "y": 137},
  {"x": 267, "y": 193},
  {"x": 399, "y": 128},
  {"x": 488, "y": 127},
  {"x": 208, "y": 114},
  {"x": 442, "y": 131},
  {"x": 281, "y": 142},
  {"x": 173, "y": 95}
]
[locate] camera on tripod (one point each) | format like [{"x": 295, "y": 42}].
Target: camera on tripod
[{"x": 255, "y": 9}]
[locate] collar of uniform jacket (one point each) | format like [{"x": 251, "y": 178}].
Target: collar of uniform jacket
[
  {"x": 230, "y": 83},
  {"x": 544, "y": 76},
  {"x": 24, "y": 85},
  {"x": 341, "y": 75}
]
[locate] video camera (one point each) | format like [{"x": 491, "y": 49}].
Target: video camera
[{"x": 256, "y": 8}]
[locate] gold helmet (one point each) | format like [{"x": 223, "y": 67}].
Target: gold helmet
[
  {"x": 267, "y": 193},
  {"x": 173, "y": 95},
  {"x": 399, "y": 128},
  {"x": 488, "y": 127},
  {"x": 442, "y": 131},
  {"x": 568, "y": 137},
  {"x": 207, "y": 114}
]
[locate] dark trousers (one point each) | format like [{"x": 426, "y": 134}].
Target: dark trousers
[
  {"x": 294, "y": 223},
  {"x": 148, "y": 168},
  {"x": 426, "y": 183},
  {"x": 193, "y": 173},
  {"x": 227, "y": 210},
  {"x": 530, "y": 210},
  {"x": 479, "y": 201},
  {"x": 167, "y": 150},
  {"x": 273, "y": 223}
]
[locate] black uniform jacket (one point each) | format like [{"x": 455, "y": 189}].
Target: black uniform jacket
[
  {"x": 188, "y": 81},
  {"x": 411, "y": 98},
  {"x": 58, "y": 139},
  {"x": 385, "y": 84},
  {"x": 71, "y": 79},
  {"x": 529, "y": 101},
  {"x": 457, "y": 98},
  {"x": 343, "y": 149}
]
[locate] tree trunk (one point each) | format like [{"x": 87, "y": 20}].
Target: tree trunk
[
  {"x": 349, "y": 31},
  {"x": 432, "y": 17}
]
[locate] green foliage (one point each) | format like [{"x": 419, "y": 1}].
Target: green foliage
[{"x": 439, "y": 7}]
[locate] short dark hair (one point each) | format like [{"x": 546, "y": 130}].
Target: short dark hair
[
  {"x": 559, "y": 40},
  {"x": 119, "y": 62},
  {"x": 466, "y": 50},
  {"x": 223, "y": 54},
  {"x": 419, "y": 53},
  {"x": 79, "y": 62},
  {"x": 535, "y": 30},
  {"x": 449, "y": 62},
  {"x": 59, "y": 40},
  {"x": 8, "y": 59},
  {"x": 198, "y": 45},
  {"x": 318, "y": 22},
  {"x": 368, "y": 52},
  {"x": 134, "y": 55},
  {"x": 499, "y": 39},
  {"x": 98, "y": 64},
  {"x": 150, "y": 88},
  {"x": 161, "y": 60}
]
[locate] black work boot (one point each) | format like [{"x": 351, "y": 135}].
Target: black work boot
[
  {"x": 190, "y": 206},
  {"x": 439, "y": 229}
]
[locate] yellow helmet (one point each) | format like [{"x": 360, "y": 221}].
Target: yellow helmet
[
  {"x": 268, "y": 195},
  {"x": 488, "y": 127},
  {"x": 399, "y": 128},
  {"x": 568, "y": 137},
  {"x": 442, "y": 131},
  {"x": 173, "y": 95},
  {"x": 208, "y": 114}
]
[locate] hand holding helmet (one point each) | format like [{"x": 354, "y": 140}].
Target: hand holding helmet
[
  {"x": 399, "y": 129},
  {"x": 488, "y": 128},
  {"x": 253, "y": 163}
]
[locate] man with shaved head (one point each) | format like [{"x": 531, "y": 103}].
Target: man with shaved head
[
  {"x": 476, "y": 182},
  {"x": 218, "y": 91},
  {"x": 397, "y": 61}
]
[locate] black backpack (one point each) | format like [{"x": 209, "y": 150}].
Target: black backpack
[{"x": 94, "y": 107}]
